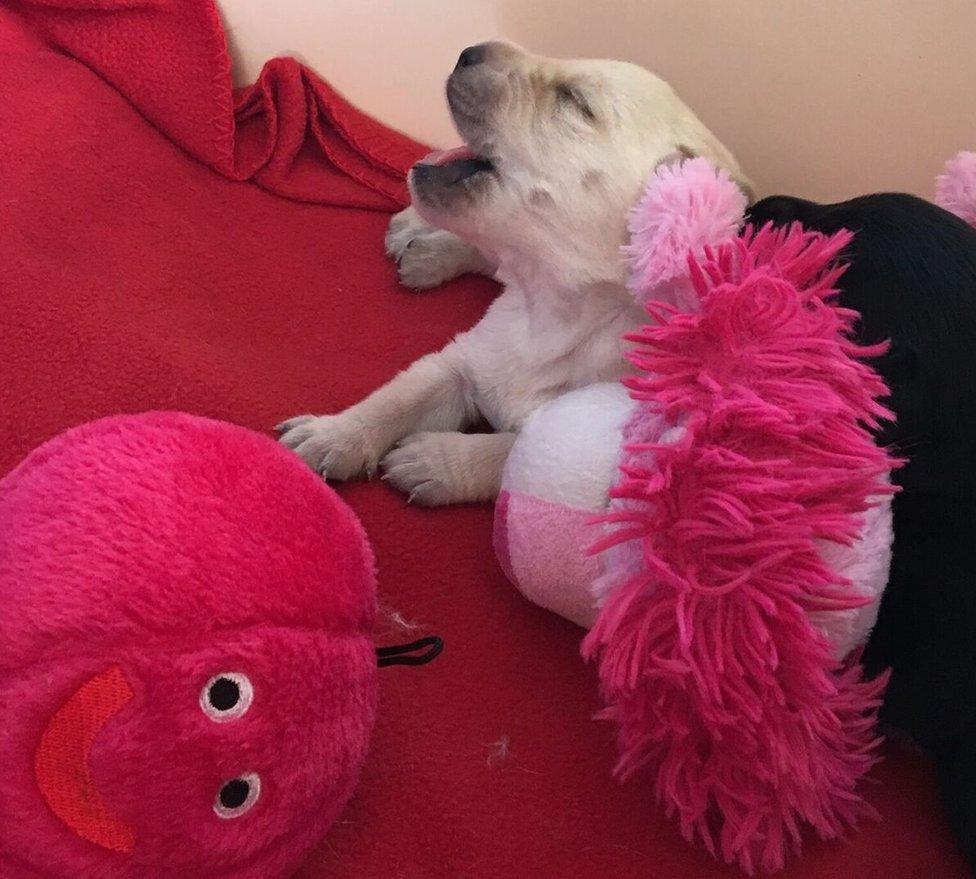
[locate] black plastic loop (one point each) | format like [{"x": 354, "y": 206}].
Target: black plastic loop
[{"x": 406, "y": 654}]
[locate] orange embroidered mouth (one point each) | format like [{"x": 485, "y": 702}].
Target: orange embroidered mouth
[{"x": 61, "y": 761}]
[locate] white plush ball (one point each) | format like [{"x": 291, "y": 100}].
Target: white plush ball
[{"x": 557, "y": 478}]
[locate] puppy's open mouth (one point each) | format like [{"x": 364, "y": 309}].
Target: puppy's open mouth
[{"x": 451, "y": 167}]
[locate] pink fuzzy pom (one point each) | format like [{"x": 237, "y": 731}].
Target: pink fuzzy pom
[
  {"x": 685, "y": 208},
  {"x": 955, "y": 187}
]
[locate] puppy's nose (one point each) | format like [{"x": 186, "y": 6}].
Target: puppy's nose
[{"x": 471, "y": 56}]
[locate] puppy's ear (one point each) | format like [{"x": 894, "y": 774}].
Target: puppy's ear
[{"x": 682, "y": 152}]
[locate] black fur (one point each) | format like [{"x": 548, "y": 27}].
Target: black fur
[{"x": 912, "y": 277}]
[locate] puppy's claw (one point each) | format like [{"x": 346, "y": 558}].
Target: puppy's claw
[{"x": 289, "y": 423}]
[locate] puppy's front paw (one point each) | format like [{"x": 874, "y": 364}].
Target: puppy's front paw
[
  {"x": 425, "y": 255},
  {"x": 422, "y": 467},
  {"x": 337, "y": 446},
  {"x": 403, "y": 228},
  {"x": 431, "y": 260}
]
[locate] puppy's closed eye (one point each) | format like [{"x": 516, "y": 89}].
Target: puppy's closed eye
[{"x": 571, "y": 96}]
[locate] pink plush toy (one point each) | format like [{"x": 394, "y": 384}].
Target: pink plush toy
[
  {"x": 742, "y": 525},
  {"x": 187, "y": 677}
]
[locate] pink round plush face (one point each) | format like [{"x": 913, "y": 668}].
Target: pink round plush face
[
  {"x": 207, "y": 715},
  {"x": 225, "y": 759}
]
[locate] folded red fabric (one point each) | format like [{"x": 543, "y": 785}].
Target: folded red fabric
[{"x": 289, "y": 132}]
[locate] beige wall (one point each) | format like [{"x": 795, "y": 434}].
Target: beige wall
[{"x": 822, "y": 98}]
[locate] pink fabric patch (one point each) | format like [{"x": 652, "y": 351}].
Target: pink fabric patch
[
  {"x": 500, "y": 536},
  {"x": 540, "y": 546}
]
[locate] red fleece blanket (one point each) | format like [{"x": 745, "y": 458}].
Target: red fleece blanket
[{"x": 166, "y": 242}]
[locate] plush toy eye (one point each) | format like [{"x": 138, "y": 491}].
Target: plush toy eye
[
  {"x": 226, "y": 696},
  {"x": 237, "y": 796}
]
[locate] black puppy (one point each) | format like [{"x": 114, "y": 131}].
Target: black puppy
[{"x": 912, "y": 276}]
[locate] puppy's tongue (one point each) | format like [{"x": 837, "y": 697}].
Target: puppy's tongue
[{"x": 442, "y": 157}]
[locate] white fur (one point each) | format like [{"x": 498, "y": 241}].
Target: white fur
[{"x": 572, "y": 144}]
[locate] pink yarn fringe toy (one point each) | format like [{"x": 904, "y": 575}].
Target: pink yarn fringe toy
[
  {"x": 747, "y": 538},
  {"x": 710, "y": 660}
]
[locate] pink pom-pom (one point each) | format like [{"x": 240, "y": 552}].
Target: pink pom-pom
[
  {"x": 955, "y": 187},
  {"x": 684, "y": 209}
]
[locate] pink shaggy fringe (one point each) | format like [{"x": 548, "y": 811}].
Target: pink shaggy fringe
[
  {"x": 955, "y": 187},
  {"x": 709, "y": 664},
  {"x": 684, "y": 207}
]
